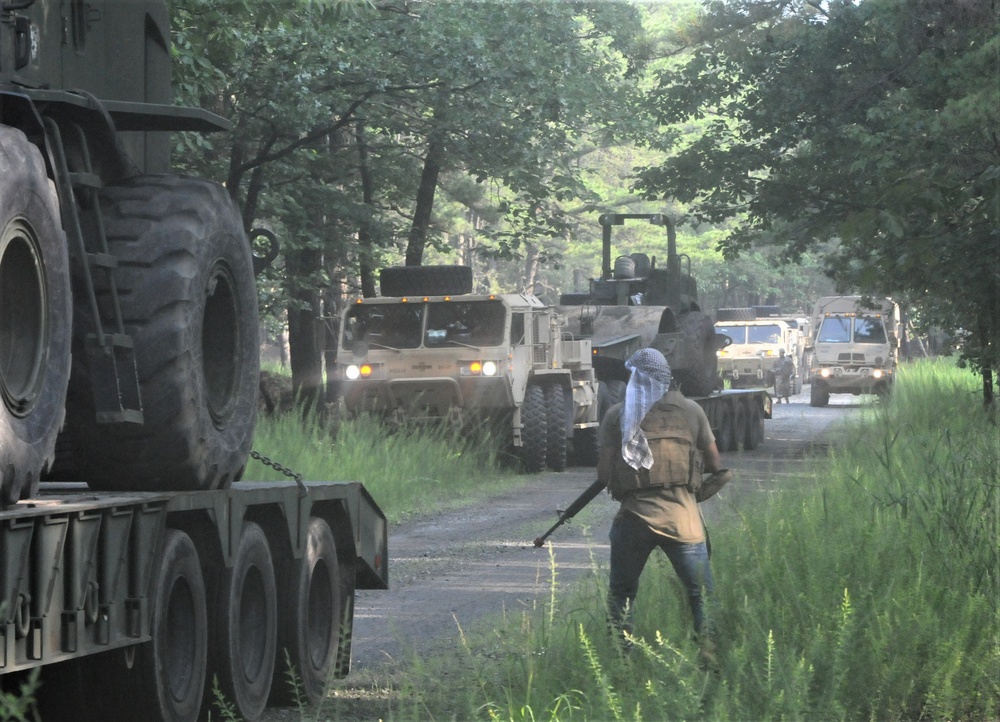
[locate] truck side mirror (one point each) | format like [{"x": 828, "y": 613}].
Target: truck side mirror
[{"x": 893, "y": 340}]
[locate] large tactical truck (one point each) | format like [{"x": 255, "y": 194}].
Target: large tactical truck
[
  {"x": 855, "y": 347},
  {"x": 636, "y": 304},
  {"x": 502, "y": 360},
  {"x": 135, "y": 568}
]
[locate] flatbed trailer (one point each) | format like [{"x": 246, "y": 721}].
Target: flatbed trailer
[
  {"x": 150, "y": 596},
  {"x": 737, "y": 417}
]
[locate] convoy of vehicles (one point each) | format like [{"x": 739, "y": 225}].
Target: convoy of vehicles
[
  {"x": 635, "y": 304},
  {"x": 855, "y": 347},
  {"x": 136, "y": 568}
]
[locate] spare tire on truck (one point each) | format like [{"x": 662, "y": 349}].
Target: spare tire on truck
[
  {"x": 425, "y": 280},
  {"x": 736, "y": 314},
  {"x": 35, "y": 318},
  {"x": 188, "y": 299}
]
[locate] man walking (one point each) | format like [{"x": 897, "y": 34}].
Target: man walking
[{"x": 653, "y": 449}]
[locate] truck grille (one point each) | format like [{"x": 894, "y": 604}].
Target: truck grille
[{"x": 848, "y": 358}]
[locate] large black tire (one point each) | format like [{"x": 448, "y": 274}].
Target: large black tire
[
  {"x": 425, "y": 280},
  {"x": 755, "y": 426},
  {"x": 725, "y": 435},
  {"x": 35, "y": 318},
  {"x": 616, "y": 393},
  {"x": 696, "y": 364},
  {"x": 555, "y": 426},
  {"x": 188, "y": 298},
  {"x": 534, "y": 434},
  {"x": 244, "y": 628},
  {"x": 736, "y": 314},
  {"x": 818, "y": 394},
  {"x": 585, "y": 450},
  {"x": 739, "y": 427},
  {"x": 171, "y": 669},
  {"x": 310, "y": 615}
]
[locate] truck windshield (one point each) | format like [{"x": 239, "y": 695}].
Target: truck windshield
[
  {"x": 390, "y": 326},
  {"x": 837, "y": 329},
  {"x": 443, "y": 323},
  {"x": 763, "y": 334},
  {"x": 456, "y": 323},
  {"x": 737, "y": 333},
  {"x": 869, "y": 329}
]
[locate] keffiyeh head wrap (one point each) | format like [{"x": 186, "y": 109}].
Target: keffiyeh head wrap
[{"x": 649, "y": 382}]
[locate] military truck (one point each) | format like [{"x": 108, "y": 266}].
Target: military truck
[
  {"x": 136, "y": 568},
  {"x": 634, "y": 304},
  {"x": 757, "y": 341},
  {"x": 498, "y": 359},
  {"x": 855, "y": 347}
]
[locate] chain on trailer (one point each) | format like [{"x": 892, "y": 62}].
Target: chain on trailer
[{"x": 283, "y": 469}]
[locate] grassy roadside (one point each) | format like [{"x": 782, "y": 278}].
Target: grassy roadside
[{"x": 871, "y": 594}]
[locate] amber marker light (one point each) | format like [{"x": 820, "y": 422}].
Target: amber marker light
[
  {"x": 476, "y": 367},
  {"x": 366, "y": 370}
]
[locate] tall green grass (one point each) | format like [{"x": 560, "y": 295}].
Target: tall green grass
[
  {"x": 870, "y": 595},
  {"x": 407, "y": 470}
]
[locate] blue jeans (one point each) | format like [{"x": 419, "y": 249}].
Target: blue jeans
[{"x": 632, "y": 541}]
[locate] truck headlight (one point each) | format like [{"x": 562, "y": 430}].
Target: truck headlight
[
  {"x": 877, "y": 373},
  {"x": 479, "y": 368},
  {"x": 358, "y": 371},
  {"x": 825, "y": 373}
]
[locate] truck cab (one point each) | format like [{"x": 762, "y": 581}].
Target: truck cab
[
  {"x": 855, "y": 347},
  {"x": 471, "y": 359}
]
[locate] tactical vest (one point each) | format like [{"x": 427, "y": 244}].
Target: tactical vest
[{"x": 676, "y": 459}]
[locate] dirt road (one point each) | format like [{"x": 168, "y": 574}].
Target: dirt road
[{"x": 453, "y": 569}]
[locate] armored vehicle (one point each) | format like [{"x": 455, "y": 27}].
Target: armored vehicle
[
  {"x": 855, "y": 347},
  {"x": 502, "y": 359},
  {"x": 636, "y": 304},
  {"x": 136, "y": 567}
]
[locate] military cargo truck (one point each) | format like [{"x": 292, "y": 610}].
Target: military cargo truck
[
  {"x": 136, "y": 568},
  {"x": 501, "y": 359},
  {"x": 855, "y": 347},
  {"x": 755, "y": 349},
  {"x": 634, "y": 304}
]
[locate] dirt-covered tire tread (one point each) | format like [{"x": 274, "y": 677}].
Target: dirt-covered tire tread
[
  {"x": 555, "y": 426},
  {"x": 188, "y": 299},
  {"x": 425, "y": 280},
  {"x": 534, "y": 419},
  {"x": 35, "y": 318}
]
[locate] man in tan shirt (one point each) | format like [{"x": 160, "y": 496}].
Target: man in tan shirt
[{"x": 661, "y": 511}]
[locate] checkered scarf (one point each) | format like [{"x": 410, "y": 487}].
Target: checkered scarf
[{"x": 649, "y": 382}]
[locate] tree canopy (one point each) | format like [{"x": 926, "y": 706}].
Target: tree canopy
[{"x": 870, "y": 124}]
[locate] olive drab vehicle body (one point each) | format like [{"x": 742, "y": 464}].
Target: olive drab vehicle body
[
  {"x": 499, "y": 359},
  {"x": 133, "y": 555},
  {"x": 637, "y": 304},
  {"x": 855, "y": 347}
]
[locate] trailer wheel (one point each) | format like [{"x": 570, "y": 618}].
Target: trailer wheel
[
  {"x": 171, "y": 667},
  {"x": 310, "y": 620},
  {"x": 818, "y": 395},
  {"x": 616, "y": 393},
  {"x": 555, "y": 426},
  {"x": 244, "y": 632},
  {"x": 739, "y": 427},
  {"x": 425, "y": 280},
  {"x": 534, "y": 419},
  {"x": 188, "y": 299},
  {"x": 755, "y": 426},
  {"x": 585, "y": 446},
  {"x": 35, "y": 318},
  {"x": 724, "y": 436}
]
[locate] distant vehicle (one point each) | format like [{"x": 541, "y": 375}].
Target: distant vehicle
[
  {"x": 750, "y": 359},
  {"x": 855, "y": 347}
]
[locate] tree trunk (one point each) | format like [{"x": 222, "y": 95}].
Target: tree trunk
[
  {"x": 425, "y": 202},
  {"x": 305, "y": 356},
  {"x": 365, "y": 254}
]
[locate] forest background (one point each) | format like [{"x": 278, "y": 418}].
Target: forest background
[{"x": 803, "y": 146}]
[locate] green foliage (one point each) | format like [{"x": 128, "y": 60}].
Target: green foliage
[
  {"x": 863, "y": 592},
  {"x": 867, "y": 124},
  {"x": 410, "y": 470},
  {"x": 19, "y": 706}
]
